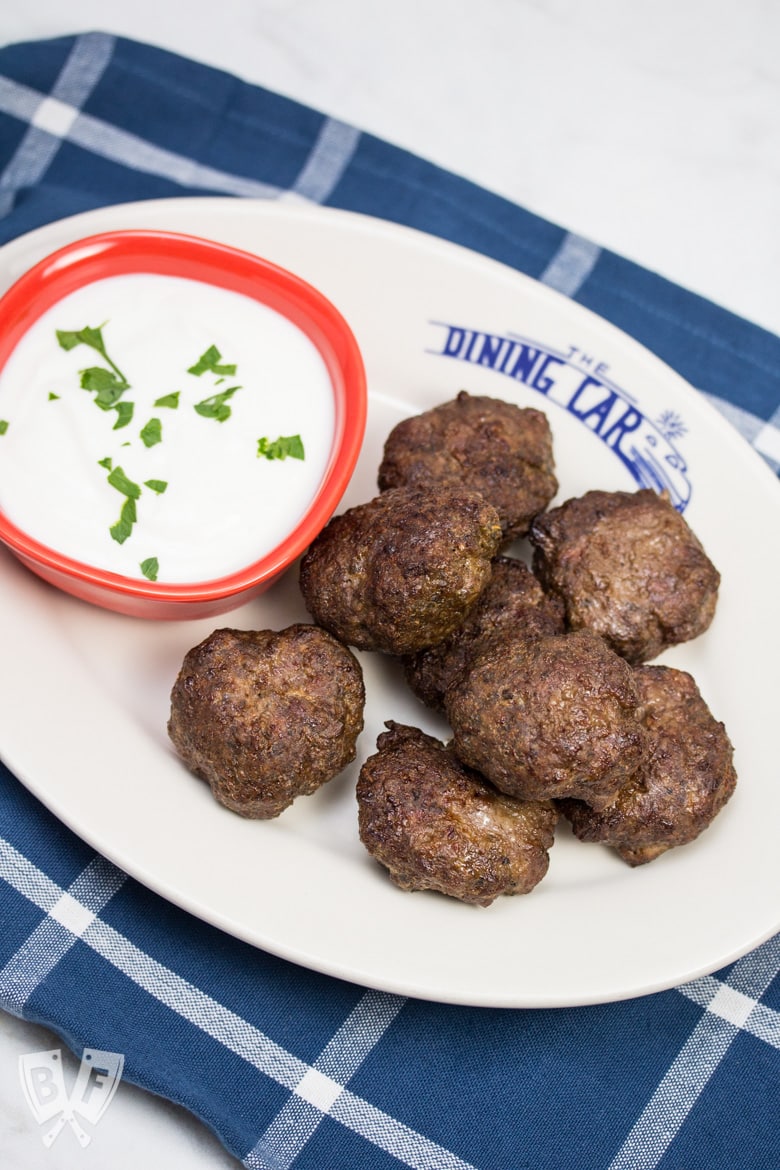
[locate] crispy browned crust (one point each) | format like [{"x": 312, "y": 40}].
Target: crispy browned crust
[
  {"x": 496, "y": 448},
  {"x": 628, "y": 567},
  {"x": 436, "y": 825},
  {"x": 265, "y": 717},
  {"x": 551, "y": 717},
  {"x": 513, "y": 604},
  {"x": 686, "y": 779},
  {"x": 402, "y": 571}
]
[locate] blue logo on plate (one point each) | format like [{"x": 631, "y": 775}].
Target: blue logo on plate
[{"x": 645, "y": 447}]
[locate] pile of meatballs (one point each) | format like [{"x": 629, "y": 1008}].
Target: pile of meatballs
[{"x": 541, "y": 672}]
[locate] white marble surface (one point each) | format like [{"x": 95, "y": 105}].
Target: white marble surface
[{"x": 651, "y": 128}]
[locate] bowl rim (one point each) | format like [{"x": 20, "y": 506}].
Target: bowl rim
[{"x": 160, "y": 252}]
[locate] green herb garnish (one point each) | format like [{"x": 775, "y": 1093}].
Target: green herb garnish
[
  {"x": 108, "y": 463},
  {"x": 285, "y": 446},
  {"x": 109, "y": 389},
  {"x": 94, "y": 339},
  {"x": 151, "y": 434},
  {"x": 156, "y": 485},
  {"x": 215, "y": 405},
  {"x": 128, "y": 516},
  {"x": 124, "y": 412},
  {"x": 124, "y": 525},
  {"x": 3, "y": 425},
  {"x": 108, "y": 386},
  {"x": 169, "y": 400},
  {"x": 119, "y": 480},
  {"x": 209, "y": 362},
  {"x": 150, "y": 568},
  {"x": 53, "y": 396}
]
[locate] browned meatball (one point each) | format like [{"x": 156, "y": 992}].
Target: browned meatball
[
  {"x": 494, "y": 447},
  {"x": 687, "y": 777},
  {"x": 402, "y": 571},
  {"x": 551, "y": 717},
  {"x": 265, "y": 716},
  {"x": 513, "y": 604},
  {"x": 628, "y": 567},
  {"x": 436, "y": 825}
]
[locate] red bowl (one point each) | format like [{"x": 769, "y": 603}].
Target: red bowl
[{"x": 171, "y": 254}]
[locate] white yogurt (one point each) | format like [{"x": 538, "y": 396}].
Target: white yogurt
[{"x": 224, "y": 507}]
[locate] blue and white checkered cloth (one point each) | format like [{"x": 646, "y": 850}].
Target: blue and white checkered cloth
[{"x": 288, "y": 1067}]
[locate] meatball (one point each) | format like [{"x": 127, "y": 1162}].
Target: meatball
[
  {"x": 687, "y": 777},
  {"x": 628, "y": 567},
  {"x": 436, "y": 825},
  {"x": 264, "y": 717},
  {"x": 552, "y": 717},
  {"x": 402, "y": 571},
  {"x": 496, "y": 448},
  {"x": 513, "y": 604}
]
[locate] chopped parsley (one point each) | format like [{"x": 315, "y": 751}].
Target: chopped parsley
[
  {"x": 150, "y": 568},
  {"x": 3, "y": 425},
  {"x": 151, "y": 434},
  {"x": 211, "y": 362},
  {"x": 215, "y": 406},
  {"x": 128, "y": 515},
  {"x": 69, "y": 339},
  {"x": 108, "y": 385},
  {"x": 108, "y": 388},
  {"x": 119, "y": 480},
  {"x": 285, "y": 446},
  {"x": 169, "y": 400},
  {"x": 124, "y": 525},
  {"x": 124, "y": 411}
]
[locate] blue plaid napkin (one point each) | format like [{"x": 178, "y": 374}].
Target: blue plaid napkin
[{"x": 288, "y": 1067}]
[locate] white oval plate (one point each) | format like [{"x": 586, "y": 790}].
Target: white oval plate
[{"x": 83, "y": 712}]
